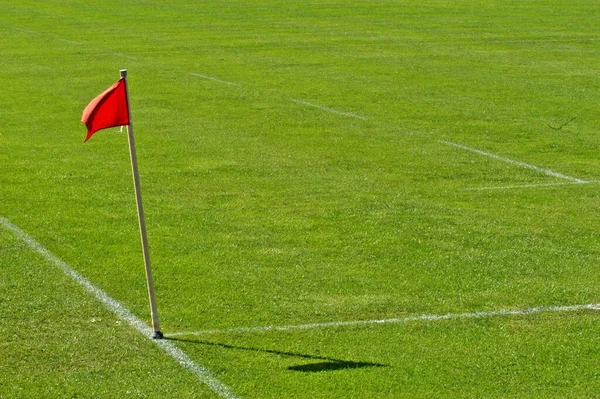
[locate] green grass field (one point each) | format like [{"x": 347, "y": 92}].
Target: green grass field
[{"x": 303, "y": 163}]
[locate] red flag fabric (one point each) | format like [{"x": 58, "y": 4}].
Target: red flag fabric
[{"x": 109, "y": 109}]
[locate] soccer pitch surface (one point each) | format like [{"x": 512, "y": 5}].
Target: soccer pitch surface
[{"x": 344, "y": 199}]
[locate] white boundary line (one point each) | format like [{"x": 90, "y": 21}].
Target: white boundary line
[
  {"x": 511, "y": 161},
  {"x": 425, "y": 317},
  {"x": 329, "y": 109},
  {"x": 199, "y": 75},
  {"x": 124, "y": 314}
]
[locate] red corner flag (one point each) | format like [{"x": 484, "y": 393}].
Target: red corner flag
[{"x": 109, "y": 109}]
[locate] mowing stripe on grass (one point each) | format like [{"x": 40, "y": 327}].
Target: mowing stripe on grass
[
  {"x": 124, "y": 314},
  {"x": 214, "y": 79},
  {"x": 329, "y": 109},
  {"x": 425, "y": 317},
  {"x": 511, "y": 161}
]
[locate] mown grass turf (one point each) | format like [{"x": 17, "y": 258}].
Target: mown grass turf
[{"x": 263, "y": 210}]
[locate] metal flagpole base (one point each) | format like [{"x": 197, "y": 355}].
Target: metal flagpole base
[{"x": 157, "y": 335}]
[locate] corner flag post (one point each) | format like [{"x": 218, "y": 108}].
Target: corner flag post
[{"x": 140, "y": 208}]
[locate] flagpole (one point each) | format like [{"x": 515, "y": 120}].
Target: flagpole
[{"x": 140, "y": 208}]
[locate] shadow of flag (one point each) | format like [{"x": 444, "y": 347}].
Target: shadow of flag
[{"x": 332, "y": 366}]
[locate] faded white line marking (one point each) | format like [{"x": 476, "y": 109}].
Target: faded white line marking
[
  {"x": 335, "y": 111},
  {"x": 123, "y": 313},
  {"x": 214, "y": 79},
  {"x": 511, "y": 161},
  {"x": 565, "y": 40},
  {"x": 70, "y": 41},
  {"x": 61, "y": 39},
  {"x": 526, "y": 186},
  {"x": 119, "y": 54},
  {"x": 426, "y": 317},
  {"x": 24, "y": 30}
]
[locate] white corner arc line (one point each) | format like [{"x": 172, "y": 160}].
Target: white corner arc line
[
  {"x": 425, "y": 317},
  {"x": 511, "y": 161},
  {"x": 123, "y": 313},
  {"x": 335, "y": 111},
  {"x": 199, "y": 75}
]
